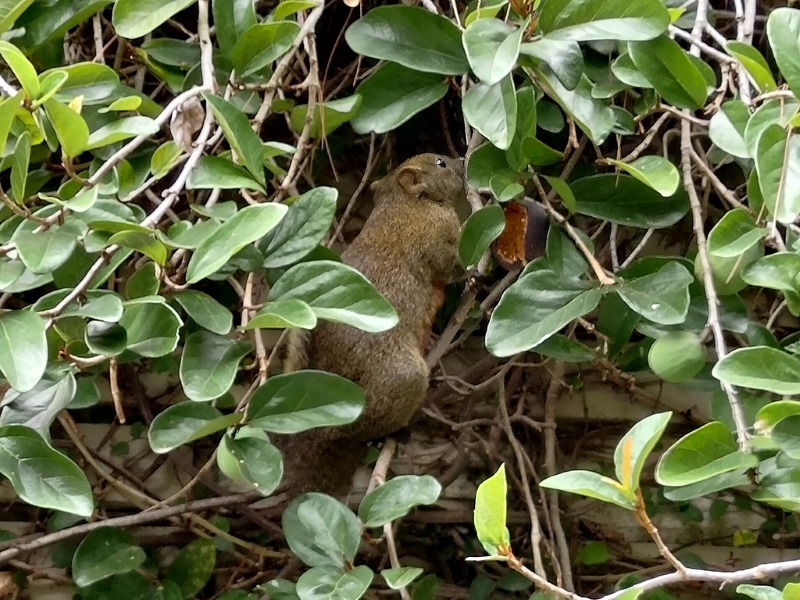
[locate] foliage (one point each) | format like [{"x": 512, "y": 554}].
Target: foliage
[{"x": 168, "y": 195}]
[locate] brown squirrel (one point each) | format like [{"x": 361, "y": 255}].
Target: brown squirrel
[{"x": 408, "y": 250}]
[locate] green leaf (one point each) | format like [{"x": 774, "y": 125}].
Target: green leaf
[
  {"x": 783, "y": 31},
  {"x": 760, "y": 368},
  {"x": 40, "y": 475},
  {"x": 261, "y": 45},
  {"x": 212, "y": 172},
  {"x": 328, "y": 116},
  {"x": 153, "y": 328},
  {"x": 677, "y": 357},
  {"x": 706, "y": 487},
  {"x": 588, "y": 20},
  {"x": 626, "y": 201},
  {"x": 671, "y": 71},
  {"x": 9, "y": 11},
  {"x": 321, "y": 531},
  {"x": 654, "y": 171},
  {"x": 701, "y": 454},
  {"x": 623, "y": 69},
  {"x": 39, "y": 407},
  {"x": 22, "y": 68},
  {"x": 282, "y": 314},
  {"x": 480, "y": 230},
  {"x": 492, "y": 48},
  {"x": 259, "y": 461},
  {"x": 209, "y": 364},
  {"x": 45, "y": 251},
  {"x": 185, "y": 422},
  {"x": 562, "y": 348},
  {"x": 287, "y": 8},
  {"x": 662, "y": 297},
  {"x": 23, "y": 348},
  {"x": 295, "y": 402},
  {"x": 193, "y": 566},
  {"x": 105, "y": 339},
  {"x": 490, "y": 513},
  {"x": 121, "y": 129},
  {"x": 754, "y": 62},
  {"x": 734, "y": 234},
  {"x": 231, "y": 19},
  {"x": 334, "y": 583},
  {"x": 563, "y": 190},
  {"x": 105, "y": 552},
  {"x": 773, "y": 111},
  {"x": 71, "y": 130},
  {"x": 136, "y": 18},
  {"x": 141, "y": 242},
  {"x": 397, "y": 33},
  {"x": 785, "y": 435},
  {"x": 595, "y": 117},
  {"x": 396, "y": 498},
  {"x": 20, "y": 161},
  {"x": 487, "y": 162},
  {"x": 634, "y": 448},
  {"x": 245, "y": 227},
  {"x": 535, "y": 307},
  {"x": 336, "y": 292},
  {"x": 492, "y": 110},
  {"x": 301, "y": 230},
  {"x": 240, "y": 135},
  {"x": 393, "y": 94},
  {"x": 123, "y": 104},
  {"x": 777, "y": 271},
  {"x": 591, "y": 485},
  {"x": 8, "y": 110},
  {"x": 164, "y": 158},
  {"x": 564, "y": 58},
  {"x": 593, "y": 553},
  {"x": 93, "y": 82},
  {"x": 400, "y": 577},
  {"x": 727, "y": 126},
  {"x": 759, "y": 592},
  {"x": 205, "y": 311},
  {"x": 778, "y": 164}
]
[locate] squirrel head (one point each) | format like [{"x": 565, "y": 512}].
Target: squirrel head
[{"x": 430, "y": 177}]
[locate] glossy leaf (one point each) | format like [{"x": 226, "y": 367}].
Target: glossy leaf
[
  {"x": 701, "y": 454},
  {"x": 42, "y": 476},
  {"x": 635, "y": 446},
  {"x": 136, "y": 18},
  {"x": 760, "y": 368},
  {"x": 214, "y": 172},
  {"x": 20, "y": 163},
  {"x": 205, "y": 311},
  {"x": 301, "y": 230},
  {"x": 401, "y": 576},
  {"x": 490, "y": 513},
  {"x": 336, "y": 292},
  {"x": 105, "y": 552},
  {"x": 240, "y": 135},
  {"x": 492, "y": 110},
  {"x": 778, "y": 165},
  {"x": 783, "y": 31},
  {"x": 328, "y": 116},
  {"x": 654, "y": 171},
  {"x": 396, "y": 498},
  {"x": 295, "y": 402},
  {"x": 492, "y": 48},
  {"x": 534, "y": 308},
  {"x": 734, "y": 234},
  {"x": 23, "y": 348},
  {"x": 626, "y": 201},
  {"x": 262, "y": 44},
  {"x": 193, "y": 566},
  {"x": 588, "y": 20},
  {"x": 480, "y": 230},
  {"x": 152, "y": 327},
  {"x": 71, "y": 130},
  {"x": 662, "y": 297},
  {"x": 22, "y": 68},
  {"x": 785, "y": 435},
  {"x": 397, "y": 33},
  {"x": 564, "y": 58},
  {"x": 185, "y": 422},
  {"x": 677, "y": 357},
  {"x": 282, "y": 314},
  {"x": 120, "y": 130},
  {"x": 45, "y": 251},
  {"x": 259, "y": 461},
  {"x": 209, "y": 364},
  {"x": 754, "y": 62},
  {"x": 246, "y": 226},
  {"x": 9, "y": 11},
  {"x": 671, "y": 71},
  {"x": 321, "y": 531},
  {"x": 38, "y": 408},
  {"x": 392, "y": 95},
  {"x": 591, "y": 485}
]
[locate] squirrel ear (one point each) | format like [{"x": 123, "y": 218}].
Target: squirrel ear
[{"x": 409, "y": 180}]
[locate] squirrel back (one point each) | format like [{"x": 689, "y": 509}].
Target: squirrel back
[{"x": 408, "y": 250}]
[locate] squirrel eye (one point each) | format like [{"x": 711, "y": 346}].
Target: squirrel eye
[{"x": 440, "y": 163}]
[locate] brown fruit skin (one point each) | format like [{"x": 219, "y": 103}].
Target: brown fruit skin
[{"x": 408, "y": 249}]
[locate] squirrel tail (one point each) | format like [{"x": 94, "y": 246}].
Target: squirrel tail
[{"x": 297, "y": 341}]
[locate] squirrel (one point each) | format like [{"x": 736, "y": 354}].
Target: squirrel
[{"x": 408, "y": 250}]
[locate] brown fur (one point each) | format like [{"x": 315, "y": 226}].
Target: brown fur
[{"x": 408, "y": 250}]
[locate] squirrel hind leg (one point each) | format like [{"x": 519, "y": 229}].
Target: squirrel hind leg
[{"x": 297, "y": 343}]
